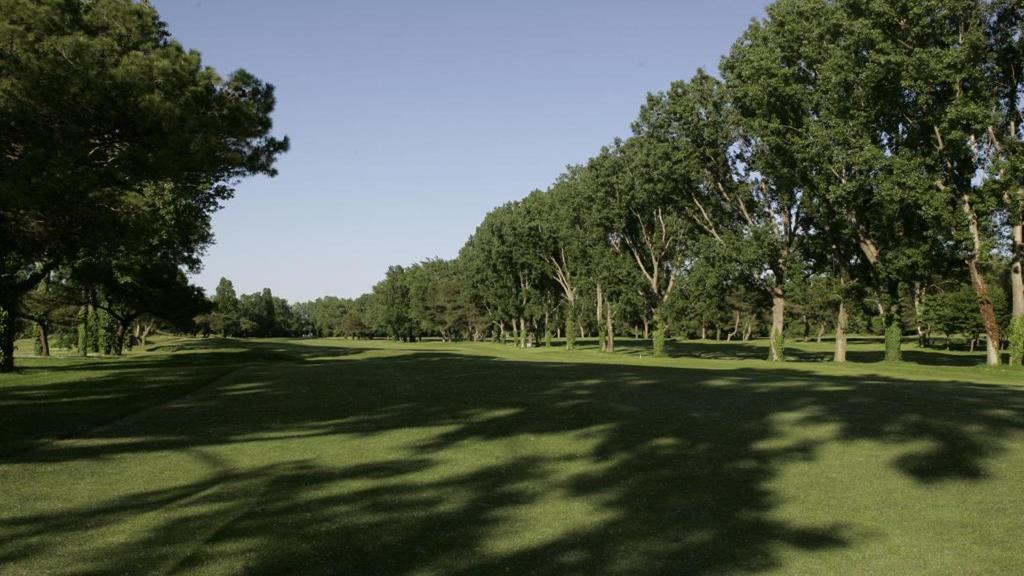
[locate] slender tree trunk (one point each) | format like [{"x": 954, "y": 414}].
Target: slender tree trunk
[
  {"x": 119, "y": 335},
  {"x": 609, "y": 329},
  {"x": 8, "y": 330},
  {"x": 748, "y": 330},
  {"x": 735, "y": 326},
  {"x": 718, "y": 333},
  {"x": 842, "y": 323},
  {"x": 703, "y": 330},
  {"x": 44, "y": 339},
  {"x": 821, "y": 333},
  {"x": 922, "y": 333},
  {"x": 522, "y": 332},
  {"x": 647, "y": 328},
  {"x": 146, "y": 332},
  {"x": 881, "y": 316},
  {"x": 776, "y": 339},
  {"x": 600, "y": 315}
]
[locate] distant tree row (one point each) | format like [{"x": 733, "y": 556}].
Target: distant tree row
[
  {"x": 116, "y": 146},
  {"x": 855, "y": 159}
]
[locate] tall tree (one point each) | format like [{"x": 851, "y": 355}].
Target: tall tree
[
  {"x": 225, "y": 306},
  {"x": 1006, "y": 136},
  {"x": 642, "y": 216}
]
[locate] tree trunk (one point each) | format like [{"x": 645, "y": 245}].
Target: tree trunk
[
  {"x": 748, "y": 330},
  {"x": 1017, "y": 289},
  {"x": 894, "y": 324},
  {"x": 8, "y": 329},
  {"x": 44, "y": 339},
  {"x": 821, "y": 333},
  {"x": 703, "y": 330},
  {"x": 988, "y": 315},
  {"x": 842, "y": 322},
  {"x": 146, "y": 332},
  {"x": 881, "y": 317},
  {"x": 95, "y": 326},
  {"x": 118, "y": 345},
  {"x": 609, "y": 329},
  {"x": 776, "y": 338},
  {"x": 922, "y": 333},
  {"x": 522, "y": 332},
  {"x": 83, "y": 331},
  {"x": 647, "y": 328},
  {"x": 735, "y": 326},
  {"x": 570, "y": 327},
  {"x": 1017, "y": 268},
  {"x": 600, "y": 315}
]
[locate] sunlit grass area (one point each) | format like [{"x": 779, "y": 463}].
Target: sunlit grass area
[{"x": 367, "y": 457}]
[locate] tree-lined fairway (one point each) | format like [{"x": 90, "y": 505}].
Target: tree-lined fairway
[{"x": 330, "y": 456}]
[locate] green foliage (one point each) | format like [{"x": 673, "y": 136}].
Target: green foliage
[
  {"x": 894, "y": 341},
  {"x": 1016, "y": 338},
  {"x": 82, "y": 332},
  {"x": 659, "y": 336},
  {"x": 153, "y": 171},
  {"x": 570, "y": 327},
  {"x": 109, "y": 341},
  {"x": 93, "y": 330}
]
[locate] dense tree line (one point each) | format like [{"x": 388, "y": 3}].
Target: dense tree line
[
  {"x": 857, "y": 165},
  {"x": 116, "y": 146}
]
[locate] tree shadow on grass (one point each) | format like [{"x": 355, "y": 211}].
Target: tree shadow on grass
[
  {"x": 674, "y": 466},
  {"x": 758, "y": 350},
  {"x": 100, "y": 391}
]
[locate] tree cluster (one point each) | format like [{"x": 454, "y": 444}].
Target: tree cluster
[
  {"x": 853, "y": 161},
  {"x": 116, "y": 146}
]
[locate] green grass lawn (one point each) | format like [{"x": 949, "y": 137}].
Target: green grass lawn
[{"x": 340, "y": 457}]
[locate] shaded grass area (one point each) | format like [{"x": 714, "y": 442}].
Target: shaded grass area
[{"x": 326, "y": 457}]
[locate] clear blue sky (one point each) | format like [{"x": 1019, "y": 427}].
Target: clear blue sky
[{"x": 410, "y": 120}]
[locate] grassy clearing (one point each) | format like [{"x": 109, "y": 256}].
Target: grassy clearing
[{"x": 325, "y": 457}]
